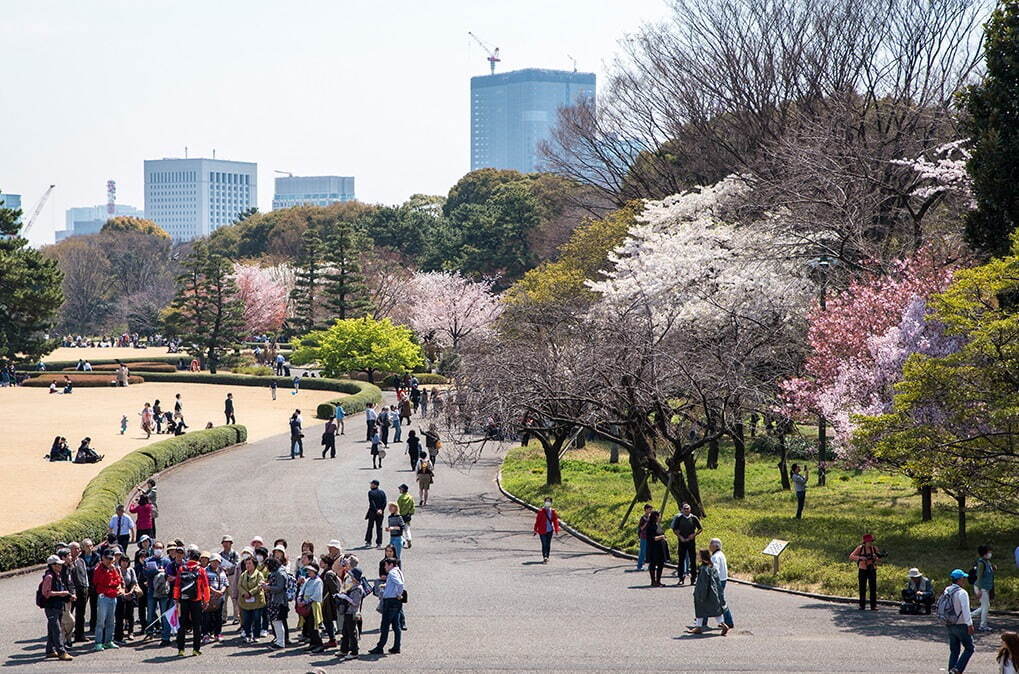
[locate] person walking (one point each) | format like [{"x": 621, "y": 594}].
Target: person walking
[
  {"x": 55, "y": 595},
  {"x": 657, "y": 547},
  {"x": 405, "y": 408},
  {"x": 953, "y": 611},
  {"x": 1008, "y": 655},
  {"x": 296, "y": 435},
  {"x": 122, "y": 526},
  {"x": 708, "y": 598},
  {"x": 800, "y": 487},
  {"x": 157, "y": 416},
  {"x": 546, "y": 523},
  {"x": 178, "y": 407},
  {"x": 108, "y": 585},
  {"x": 228, "y": 409},
  {"x": 191, "y": 596},
  {"x": 148, "y": 425},
  {"x": 392, "y": 606},
  {"x": 309, "y": 604},
  {"x": 406, "y": 503},
  {"x": 394, "y": 525},
  {"x": 371, "y": 418},
  {"x": 384, "y": 420},
  {"x": 983, "y": 585},
  {"x": 432, "y": 443},
  {"x": 272, "y": 388},
  {"x": 329, "y": 439},
  {"x": 376, "y": 508},
  {"x": 721, "y": 564},
  {"x": 413, "y": 449},
  {"x": 252, "y": 596},
  {"x": 340, "y": 415},
  {"x": 867, "y": 555},
  {"x": 425, "y": 477},
  {"x": 423, "y": 403},
  {"x": 642, "y": 537},
  {"x": 394, "y": 421},
  {"x": 686, "y": 526},
  {"x": 376, "y": 451}
]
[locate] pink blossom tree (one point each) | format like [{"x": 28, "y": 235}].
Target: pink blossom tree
[
  {"x": 264, "y": 293},
  {"x": 446, "y": 307}
]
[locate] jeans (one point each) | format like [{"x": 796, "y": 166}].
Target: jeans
[
  {"x": 106, "y": 613},
  {"x": 985, "y": 606},
  {"x": 54, "y": 636},
  {"x": 868, "y": 576},
  {"x": 251, "y": 621},
  {"x": 397, "y": 433},
  {"x": 727, "y": 614},
  {"x": 190, "y": 616},
  {"x": 801, "y": 496},
  {"x": 641, "y": 554},
  {"x": 397, "y": 542},
  {"x": 160, "y": 604},
  {"x": 546, "y": 544},
  {"x": 959, "y": 637},
  {"x": 390, "y": 619},
  {"x": 296, "y": 447}
]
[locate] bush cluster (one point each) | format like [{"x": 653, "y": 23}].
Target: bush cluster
[
  {"x": 79, "y": 379},
  {"x": 110, "y": 487},
  {"x": 85, "y": 353},
  {"x": 143, "y": 366}
]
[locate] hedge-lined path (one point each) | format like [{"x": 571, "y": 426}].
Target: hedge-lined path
[
  {"x": 35, "y": 491},
  {"x": 479, "y": 598}
]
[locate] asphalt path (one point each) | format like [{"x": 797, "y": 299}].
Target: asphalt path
[{"x": 480, "y": 599}]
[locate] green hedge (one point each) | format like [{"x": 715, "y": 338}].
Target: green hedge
[
  {"x": 79, "y": 379},
  {"x": 359, "y": 393},
  {"x": 110, "y": 487},
  {"x": 142, "y": 357},
  {"x": 143, "y": 366}
]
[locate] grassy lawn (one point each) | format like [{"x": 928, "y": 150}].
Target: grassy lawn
[{"x": 595, "y": 494}]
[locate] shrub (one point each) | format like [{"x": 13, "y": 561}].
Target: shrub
[
  {"x": 151, "y": 358},
  {"x": 144, "y": 366},
  {"x": 110, "y": 487},
  {"x": 254, "y": 370},
  {"x": 81, "y": 379}
]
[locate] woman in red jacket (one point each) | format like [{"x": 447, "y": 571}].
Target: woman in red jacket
[{"x": 546, "y": 523}]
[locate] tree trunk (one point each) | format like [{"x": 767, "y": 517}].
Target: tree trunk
[
  {"x": 822, "y": 450},
  {"x": 553, "y": 471},
  {"x": 739, "y": 477},
  {"x": 212, "y": 361},
  {"x": 712, "y": 445},
  {"x": 926, "y": 503},
  {"x": 690, "y": 464},
  {"x": 783, "y": 466},
  {"x": 613, "y": 453},
  {"x": 371, "y": 376},
  {"x": 961, "y": 501},
  {"x": 640, "y": 478}
]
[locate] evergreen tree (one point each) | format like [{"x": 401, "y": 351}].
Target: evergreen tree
[
  {"x": 309, "y": 283},
  {"x": 30, "y": 292},
  {"x": 207, "y": 312},
  {"x": 993, "y": 126},
  {"x": 345, "y": 290}
]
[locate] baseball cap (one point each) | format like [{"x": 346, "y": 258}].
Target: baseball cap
[
  {"x": 144, "y": 537},
  {"x": 108, "y": 553},
  {"x": 53, "y": 559},
  {"x": 958, "y": 573}
]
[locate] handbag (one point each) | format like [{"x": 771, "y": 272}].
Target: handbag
[
  {"x": 303, "y": 609},
  {"x": 382, "y": 453},
  {"x": 403, "y": 597}
]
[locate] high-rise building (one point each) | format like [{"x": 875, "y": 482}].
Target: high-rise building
[
  {"x": 81, "y": 220},
  {"x": 191, "y": 198},
  {"x": 312, "y": 191},
  {"x": 511, "y": 113},
  {"x": 12, "y": 201}
]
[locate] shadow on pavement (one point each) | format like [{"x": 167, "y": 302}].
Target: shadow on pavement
[{"x": 885, "y": 622}]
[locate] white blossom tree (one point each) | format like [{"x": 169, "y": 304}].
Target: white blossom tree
[{"x": 446, "y": 307}]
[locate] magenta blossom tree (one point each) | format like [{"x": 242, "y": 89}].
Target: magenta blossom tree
[{"x": 265, "y": 294}]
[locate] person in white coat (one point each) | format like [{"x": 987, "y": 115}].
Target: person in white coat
[{"x": 722, "y": 567}]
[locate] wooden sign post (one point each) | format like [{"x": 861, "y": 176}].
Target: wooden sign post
[{"x": 775, "y": 548}]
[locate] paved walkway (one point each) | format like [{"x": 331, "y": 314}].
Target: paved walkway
[{"x": 479, "y": 597}]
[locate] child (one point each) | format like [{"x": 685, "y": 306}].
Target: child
[
  {"x": 123, "y": 424},
  {"x": 376, "y": 452},
  {"x": 272, "y": 388}
]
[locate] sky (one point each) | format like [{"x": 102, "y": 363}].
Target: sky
[{"x": 378, "y": 90}]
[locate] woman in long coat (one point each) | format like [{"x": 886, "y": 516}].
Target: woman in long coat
[
  {"x": 657, "y": 548},
  {"x": 707, "y": 596}
]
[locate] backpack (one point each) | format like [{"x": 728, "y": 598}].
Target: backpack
[
  {"x": 291, "y": 586},
  {"x": 973, "y": 573},
  {"x": 188, "y": 579},
  {"x": 40, "y": 599},
  {"x": 946, "y": 610}
]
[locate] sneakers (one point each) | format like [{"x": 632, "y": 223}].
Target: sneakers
[
  {"x": 98, "y": 647},
  {"x": 181, "y": 653},
  {"x": 331, "y": 643},
  {"x": 196, "y": 652},
  {"x": 65, "y": 657},
  {"x": 984, "y": 628}
]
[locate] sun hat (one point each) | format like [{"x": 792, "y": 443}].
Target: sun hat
[
  {"x": 203, "y": 553},
  {"x": 215, "y": 557},
  {"x": 280, "y": 548},
  {"x": 334, "y": 544},
  {"x": 914, "y": 573},
  {"x": 227, "y": 538},
  {"x": 257, "y": 538},
  {"x": 311, "y": 568},
  {"x": 958, "y": 573},
  {"x": 144, "y": 537},
  {"x": 868, "y": 538},
  {"x": 53, "y": 559}
]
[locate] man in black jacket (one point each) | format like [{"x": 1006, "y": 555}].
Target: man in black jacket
[
  {"x": 228, "y": 409},
  {"x": 376, "y": 507}
]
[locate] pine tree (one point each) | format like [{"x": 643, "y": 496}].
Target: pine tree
[
  {"x": 993, "y": 127},
  {"x": 346, "y": 293},
  {"x": 207, "y": 312},
  {"x": 309, "y": 283},
  {"x": 30, "y": 293}
]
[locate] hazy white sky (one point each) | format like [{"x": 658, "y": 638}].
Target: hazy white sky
[{"x": 377, "y": 90}]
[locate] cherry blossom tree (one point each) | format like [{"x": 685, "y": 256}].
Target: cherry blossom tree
[
  {"x": 446, "y": 307},
  {"x": 264, "y": 293}
]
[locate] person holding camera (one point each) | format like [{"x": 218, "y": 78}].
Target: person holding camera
[{"x": 866, "y": 555}]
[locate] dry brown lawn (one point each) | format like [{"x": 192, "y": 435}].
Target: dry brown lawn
[{"x": 34, "y": 491}]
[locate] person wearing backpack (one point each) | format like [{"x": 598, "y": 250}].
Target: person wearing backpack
[
  {"x": 191, "y": 595},
  {"x": 867, "y": 556},
  {"x": 953, "y": 611},
  {"x": 52, "y": 595},
  {"x": 982, "y": 580}
]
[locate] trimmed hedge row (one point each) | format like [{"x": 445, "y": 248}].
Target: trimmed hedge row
[
  {"x": 79, "y": 379},
  {"x": 141, "y": 358},
  {"x": 110, "y": 487},
  {"x": 144, "y": 366},
  {"x": 359, "y": 393}
]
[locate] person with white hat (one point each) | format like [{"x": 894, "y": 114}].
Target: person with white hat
[
  {"x": 230, "y": 563},
  {"x": 54, "y": 595},
  {"x": 219, "y": 584},
  {"x": 918, "y": 595}
]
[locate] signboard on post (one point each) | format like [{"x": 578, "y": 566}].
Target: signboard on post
[{"x": 775, "y": 548}]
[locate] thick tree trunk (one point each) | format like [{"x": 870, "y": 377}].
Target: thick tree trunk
[
  {"x": 712, "y": 445},
  {"x": 640, "y": 478},
  {"x": 783, "y": 465},
  {"x": 926, "y": 503},
  {"x": 739, "y": 477},
  {"x": 613, "y": 453},
  {"x": 961, "y": 501},
  {"x": 822, "y": 451},
  {"x": 371, "y": 376},
  {"x": 690, "y": 464},
  {"x": 553, "y": 471}
]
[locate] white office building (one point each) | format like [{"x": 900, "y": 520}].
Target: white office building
[
  {"x": 191, "y": 198},
  {"x": 312, "y": 191},
  {"x": 81, "y": 220}
]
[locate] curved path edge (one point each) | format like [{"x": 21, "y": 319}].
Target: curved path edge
[{"x": 616, "y": 552}]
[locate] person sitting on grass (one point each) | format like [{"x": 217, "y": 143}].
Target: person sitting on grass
[{"x": 86, "y": 454}]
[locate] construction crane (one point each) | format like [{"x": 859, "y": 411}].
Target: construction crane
[
  {"x": 574, "y": 62},
  {"x": 493, "y": 54},
  {"x": 285, "y": 173},
  {"x": 38, "y": 208}
]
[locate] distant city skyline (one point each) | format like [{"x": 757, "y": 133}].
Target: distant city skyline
[{"x": 95, "y": 87}]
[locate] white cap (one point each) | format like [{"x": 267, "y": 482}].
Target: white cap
[
  {"x": 53, "y": 559},
  {"x": 335, "y": 544}
]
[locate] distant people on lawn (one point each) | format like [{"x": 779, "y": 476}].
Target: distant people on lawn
[
  {"x": 546, "y": 524},
  {"x": 86, "y": 454},
  {"x": 148, "y": 425},
  {"x": 867, "y": 557},
  {"x": 800, "y": 487},
  {"x": 59, "y": 451}
]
